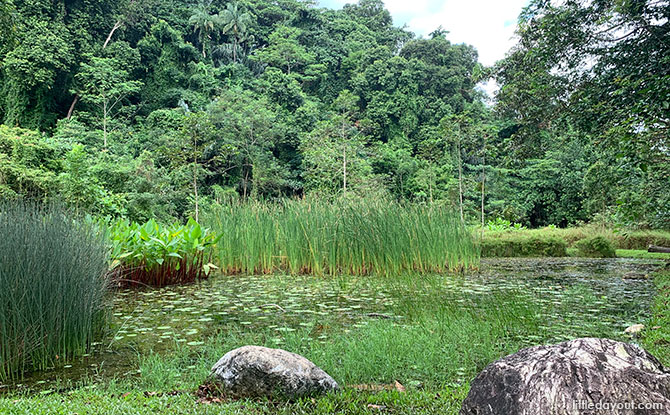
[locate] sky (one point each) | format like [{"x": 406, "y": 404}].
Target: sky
[{"x": 488, "y": 25}]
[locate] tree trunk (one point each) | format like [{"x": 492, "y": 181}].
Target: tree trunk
[
  {"x": 74, "y": 102},
  {"x": 111, "y": 33},
  {"x": 104, "y": 125},
  {"x": 660, "y": 249},
  {"x": 483, "y": 184}
]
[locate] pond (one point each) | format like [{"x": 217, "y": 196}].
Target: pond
[{"x": 578, "y": 297}]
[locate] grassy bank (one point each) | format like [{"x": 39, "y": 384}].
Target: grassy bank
[
  {"x": 344, "y": 237},
  {"x": 657, "y": 332},
  {"x": 563, "y": 242}
]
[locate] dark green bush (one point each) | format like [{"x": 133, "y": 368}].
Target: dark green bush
[
  {"x": 519, "y": 245},
  {"x": 52, "y": 283},
  {"x": 596, "y": 247}
]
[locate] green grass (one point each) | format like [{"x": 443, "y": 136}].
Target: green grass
[
  {"x": 357, "y": 237},
  {"x": 656, "y": 336},
  {"x": 596, "y": 247},
  {"x": 640, "y": 253},
  {"x": 52, "y": 283},
  {"x": 519, "y": 244},
  {"x": 431, "y": 347},
  {"x": 545, "y": 241},
  {"x": 433, "y": 343},
  {"x": 125, "y": 399}
]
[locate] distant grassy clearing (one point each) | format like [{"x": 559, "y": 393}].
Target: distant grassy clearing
[
  {"x": 356, "y": 237},
  {"x": 556, "y": 242},
  {"x": 641, "y": 253}
]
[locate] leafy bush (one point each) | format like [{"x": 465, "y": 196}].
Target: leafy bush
[
  {"x": 596, "y": 247},
  {"x": 157, "y": 255},
  {"x": 500, "y": 224},
  {"x": 52, "y": 283},
  {"x": 520, "y": 245}
]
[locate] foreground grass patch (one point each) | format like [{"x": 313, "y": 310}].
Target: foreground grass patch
[
  {"x": 657, "y": 333},
  {"x": 123, "y": 399}
]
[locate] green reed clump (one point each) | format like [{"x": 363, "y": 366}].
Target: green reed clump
[
  {"x": 52, "y": 282},
  {"x": 159, "y": 255},
  {"x": 342, "y": 237}
]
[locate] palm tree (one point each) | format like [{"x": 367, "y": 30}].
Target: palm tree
[
  {"x": 235, "y": 22},
  {"x": 203, "y": 23}
]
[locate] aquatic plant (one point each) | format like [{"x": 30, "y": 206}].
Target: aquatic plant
[
  {"x": 342, "y": 237},
  {"x": 52, "y": 283},
  {"x": 158, "y": 255}
]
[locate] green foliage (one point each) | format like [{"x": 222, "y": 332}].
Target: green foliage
[
  {"x": 28, "y": 164},
  {"x": 597, "y": 247},
  {"x": 343, "y": 237},
  {"x": 82, "y": 190},
  {"x": 285, "y": 51},
  {"x": 157, "y": 255},
  {"x": 282, "y": 99},
  {"x": 105, "y": 83},
  {"x": 53, "y": 278},
  {"x": 518, "y": 244},
  {"x": 501, "y": 225},
  {"x": 581, "y": 66}
]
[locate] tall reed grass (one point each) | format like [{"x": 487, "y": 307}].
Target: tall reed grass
[
  {"x": 343, "y": 237},
  {"x": 52, "y": 286}
]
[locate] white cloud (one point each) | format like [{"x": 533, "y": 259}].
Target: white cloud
[{"x": 488, "y": 25}]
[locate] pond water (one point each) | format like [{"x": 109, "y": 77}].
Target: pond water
[{"x": 578, "y": 297}]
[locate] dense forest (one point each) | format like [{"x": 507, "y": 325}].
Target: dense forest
[{"x": 160, "y": 108}]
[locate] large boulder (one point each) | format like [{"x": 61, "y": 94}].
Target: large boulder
[
  {"x": 583, "y": 376},
  {"x": 254, "y": 371}
]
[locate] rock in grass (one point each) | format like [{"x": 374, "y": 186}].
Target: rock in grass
[
  {"x": 575, "y": 377},
  {"x": 254, "y": 371}
]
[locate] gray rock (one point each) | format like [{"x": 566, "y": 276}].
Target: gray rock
[
  {"x": 579, "y": 377},
  {"x": 254, "y": 371}
]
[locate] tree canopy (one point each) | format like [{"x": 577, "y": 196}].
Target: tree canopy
[{"x": 158, "y": 107}]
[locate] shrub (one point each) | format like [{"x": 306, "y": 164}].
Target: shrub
[
  {"x": 500, "y": 224},
  {"x": 52, "y": 283},
  {"x": 521, "y": 245},
  {"x": 157, "y": 255},
  {"x": 596, "y": 247}
]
